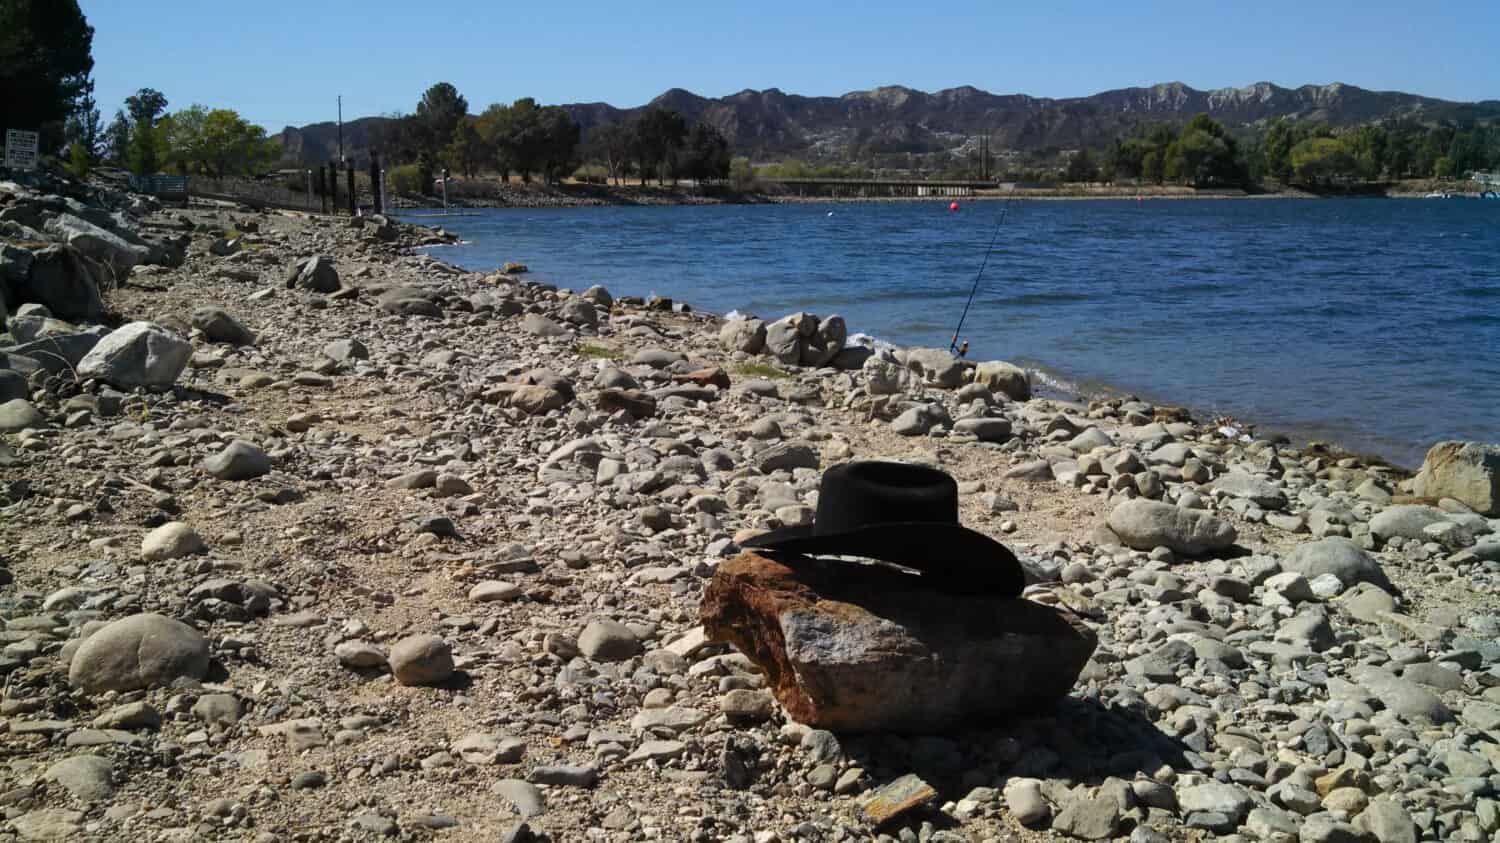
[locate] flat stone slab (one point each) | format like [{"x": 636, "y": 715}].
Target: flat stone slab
[{"x": 900, "y": 796}]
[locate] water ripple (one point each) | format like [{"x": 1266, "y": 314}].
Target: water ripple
[{"x": 1369, "y": 322}]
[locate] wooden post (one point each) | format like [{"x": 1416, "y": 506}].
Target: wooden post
[
  {"x": 353, "y": 197},
  {"x": 375, "y": 182}
]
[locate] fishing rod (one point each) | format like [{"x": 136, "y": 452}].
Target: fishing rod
[{"x": 953, "y": 344}]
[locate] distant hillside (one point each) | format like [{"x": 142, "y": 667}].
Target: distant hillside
[{"x": 772, "y": 124}]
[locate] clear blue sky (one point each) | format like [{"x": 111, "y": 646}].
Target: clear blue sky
[{"x": 281, "y": 62}]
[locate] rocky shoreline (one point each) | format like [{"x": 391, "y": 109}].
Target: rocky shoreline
[{"x": 306, "y": 537}]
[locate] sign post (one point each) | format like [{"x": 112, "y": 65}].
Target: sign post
[{"x": 21, "y": 149}]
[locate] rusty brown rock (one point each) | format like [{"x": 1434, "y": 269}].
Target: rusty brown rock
[
  {"x": 881, "y": 652},
  {"x": 714, "y": 376}
]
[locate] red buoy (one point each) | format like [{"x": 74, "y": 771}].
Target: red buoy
[{"x": 952, "y": 206}]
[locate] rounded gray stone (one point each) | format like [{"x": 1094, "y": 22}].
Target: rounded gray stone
[
  {"x": 608, "y": 641},
  {"x": 239, "y": 460},
  {"x": 421, "y": 660},
  {"x": 140, "y": 651}
]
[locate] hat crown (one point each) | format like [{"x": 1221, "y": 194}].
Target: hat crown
[{"x": 862, "y": 494}]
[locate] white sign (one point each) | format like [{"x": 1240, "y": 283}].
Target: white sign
[{"x": 20, "y": 149}]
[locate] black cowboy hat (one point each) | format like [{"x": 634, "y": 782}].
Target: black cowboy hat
[{"x": 905, "y": 514}]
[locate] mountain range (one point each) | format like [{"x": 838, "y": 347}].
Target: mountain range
[{"x": 772, "y": 124}]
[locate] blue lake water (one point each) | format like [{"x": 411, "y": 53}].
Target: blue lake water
[{"x": 1371, "y": 323}]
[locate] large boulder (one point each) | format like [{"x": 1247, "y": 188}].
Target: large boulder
[
  {"x": 1340, "y": 557},
  {"x": 578, "y": 311},
  {"x": 880, "y": 652},
  {"x": 787, "y": 337},
  {"x": 140, "y": 354},
  {"x": 316, "y": 274},
  {"x": 139, "y": 651},
  {"x": 98, "y": 243},
  {"x": 1465, "y": 471},
  {"x": 1409, "y": 521},
  {"x": 1146, "y": 524},
  {"x": 1000, "y": 376},
  {"x": 826, "y": 342},
  {"x": 937, "y": 366},
  {"x": 61, "y": 279},
  {"x": 747, "y": 335}
]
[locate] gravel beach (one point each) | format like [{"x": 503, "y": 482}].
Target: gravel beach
[{"x": 305, "y": 536}]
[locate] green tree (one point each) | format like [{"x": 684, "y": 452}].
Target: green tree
[
  {"x": 147, "y": 150},
  {"x": 531, "y": 139},
  {"x": 1127, "y": 158},
  {"x": 467, "y": 149},
  {"x": 439, "y": 112},
  {"x": 612, "y": 144},
  {"x": 1157, "y": 145},
  {"x": 741, "y": 174},
  {"x": 1081, "y": 168},
  {"x": 117, "y": 138},
  {"x": 147, "y": 147},
  {"x": 705, "y": 153},
  {"x": 1443, "y": 168},
  {"x": 1432, "y": 147},
  {"x": 523, "y": 139},
  {"x": 493, "y": 126},
  {"x": 659, "y": 133},
  {"x": 45, "y": 60},
  {"x": 1276, "y": 149},
  {"x": 1320, "y": 160},
  {"x": 1205, "y": 154},
  {"x": 557, "y": 143},
  {"x": 145, "y": 106},
  {"x": 80, "y": 159},
  {"x": 83, "y": 125}
]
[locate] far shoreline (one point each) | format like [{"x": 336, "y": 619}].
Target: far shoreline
[{"x": 481, "y": 193}]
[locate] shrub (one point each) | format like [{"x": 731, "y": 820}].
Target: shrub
[
  {"x": 591, "y": 174},
  {"x": 407, "y": 179},
  {"x": 80, "y": 162}
]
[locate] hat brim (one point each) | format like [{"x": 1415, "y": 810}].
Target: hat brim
[{"x": 952, "y": 555}]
